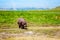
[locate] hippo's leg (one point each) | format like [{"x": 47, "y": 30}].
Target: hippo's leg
[
  {"x": 22, "y": 27},
  {"x": 19, "y": 26}
]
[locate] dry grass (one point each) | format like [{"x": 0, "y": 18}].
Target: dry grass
[
  {"x": 32, "y": 38},
  {"x": 39, "y": 33}
]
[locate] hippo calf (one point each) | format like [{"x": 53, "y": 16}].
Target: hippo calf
[{"x": 22, "y": 23}]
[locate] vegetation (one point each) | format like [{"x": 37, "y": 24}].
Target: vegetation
[
  {"x": 38, "y": 22},
  {"x": 9, "y": 19}
]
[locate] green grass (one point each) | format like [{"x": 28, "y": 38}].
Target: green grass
[{"x": 8, "y": 19}]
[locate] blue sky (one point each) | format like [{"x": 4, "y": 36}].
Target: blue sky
[{"x": 29, "y": 3}]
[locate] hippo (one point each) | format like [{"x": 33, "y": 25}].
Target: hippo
[{"x": 22, "y": 23}]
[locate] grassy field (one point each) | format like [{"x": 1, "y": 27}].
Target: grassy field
[
  {"x": 41, "y": 22},
  {"x": 38, "y": 18}
]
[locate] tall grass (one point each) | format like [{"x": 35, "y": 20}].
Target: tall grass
[{"x": 36, "y": 17}]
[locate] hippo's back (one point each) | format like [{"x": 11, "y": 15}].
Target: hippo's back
[{"x": 21, "y": 20}]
